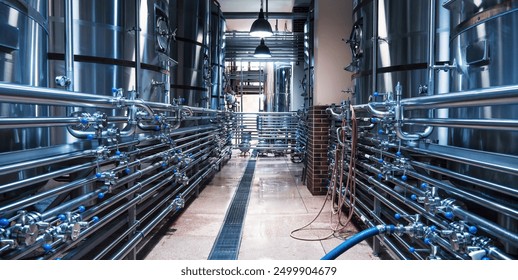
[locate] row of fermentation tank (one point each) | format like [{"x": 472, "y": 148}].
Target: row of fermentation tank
[
  {"x": 112, "y": 115},
  {"x": 435, "y": 96}
]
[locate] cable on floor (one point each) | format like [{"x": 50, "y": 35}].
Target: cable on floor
[{"x": 336, "y": 190}]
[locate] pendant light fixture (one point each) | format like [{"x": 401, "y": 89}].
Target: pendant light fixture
[
  {"x": 261, "y": 27},
  {"x": 262, "y": 51}
]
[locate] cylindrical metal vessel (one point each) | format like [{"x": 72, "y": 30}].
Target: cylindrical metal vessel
[
  {"x": 23, "y": 60},
  {"x": 217, "y": 56},
  {"x": 400, "y": 53},
  {"x": 104, "y": 46},
  {"x": 191, "y": 49},
  {"x": 282, "y": 91},
  {"x": 483, "y": 44}
]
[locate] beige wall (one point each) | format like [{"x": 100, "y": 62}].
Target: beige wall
[{"x": 333, "y": 22}]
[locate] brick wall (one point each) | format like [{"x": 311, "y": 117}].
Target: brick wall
[{"x": 316, "y": 164}]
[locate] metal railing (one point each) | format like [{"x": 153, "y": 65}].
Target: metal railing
[{"x": 266, "y": 132}]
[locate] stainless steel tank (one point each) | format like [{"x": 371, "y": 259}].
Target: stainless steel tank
[
  {"x": 282, "y": 93},
  {"x": 217, "y": 56},
  {"x": 400, "y": 53},
  {"x": 191, "y": 49},
  {"x": 23, "y": 60},
  {"x": 483, "y": 43},
  {"x": 104, "y": 46}
]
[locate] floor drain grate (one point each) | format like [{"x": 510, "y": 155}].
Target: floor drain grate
[{"x": 228, "y": 241}]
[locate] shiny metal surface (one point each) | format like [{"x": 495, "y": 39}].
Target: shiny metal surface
[
  {"x": 217, "y": 56},
  {"x": 390, "y": 54},
  {"x": 461, "y": 179},
  {"x": 104, "y": 40},
  {"x": 485, "y": 57},
  {"x": 115, "y": 156},
  {"x": 191, "y": 77},
  {"x": 23, "y": 60},
  {"x": 482, "y": 46},
  {"x": 282, "y": 92}
]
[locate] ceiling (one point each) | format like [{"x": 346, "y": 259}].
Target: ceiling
[
  {"x": 254, "y": 5},
  {"x": 285, "y": 45}
]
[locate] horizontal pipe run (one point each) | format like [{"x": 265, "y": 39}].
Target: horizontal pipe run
[
  {"x": 468, "y": 179},
  {"x": 47, "y": 176},
  {"x": 491, "y": 124},
  {"x": 37, "y": 122},
  {"x": 488, "y": 226},
  {"x": 145, "y": 231},
  {"x": 70, "y": 204},
  {"x": 13, "y": 93},
  {"x": 493, "y": 205},
  {"x": 20, "y": 204},
  {"x": 15, "y": 167},
  {"x": 495, "y": 162},
  {"x": 502, "y": 95}
]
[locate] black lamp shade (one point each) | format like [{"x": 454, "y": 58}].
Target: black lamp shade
[
  {"x": 262, "y": 51},
  {"x": 261, "y": 27}
]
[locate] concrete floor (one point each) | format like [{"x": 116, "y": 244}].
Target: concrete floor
[{"x": 279, "y": 203}]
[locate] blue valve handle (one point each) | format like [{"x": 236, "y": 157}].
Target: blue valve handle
[
  {"x": 413, "y": 197},
  {"x": 448, "y": 215},
  {"x": 397, "y": 216},
  {"x": 4, "y": 222},
  {"x": 473, "y": 229},
  {"x": 404, "y": 177},
  {"x": 62, "y": 217},
  {"x": 411, "y": 250},
  {"x": 81, "y": 209},
  {"x": 398, "y": 154},
  {"x": 46, "y": 247},
  {"x": 95, "y": 219},
  {"x": 100, "y": 195}
]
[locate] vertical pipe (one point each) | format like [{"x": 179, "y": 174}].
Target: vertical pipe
[
  {"x": 137, "y": 47},
  {"x": 69, "y": 44},
  {"x": 241, "y": 85},
  {"x": 431, "y": 48},
  {"x": 375, "y": 45}
]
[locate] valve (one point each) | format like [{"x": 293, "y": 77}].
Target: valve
[
  {"x": 109, "y": 177},
  {"x": 24, "y": 234},
  {"x": 62, "y": 81},
  {"x": 178, "y": 203},
  {"x": 100, "y": 120}
]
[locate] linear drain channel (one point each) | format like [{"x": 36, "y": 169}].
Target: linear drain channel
[{"x": 226, "y": 246}]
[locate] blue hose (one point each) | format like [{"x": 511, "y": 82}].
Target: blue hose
[{"x": 350, "y": 242}]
